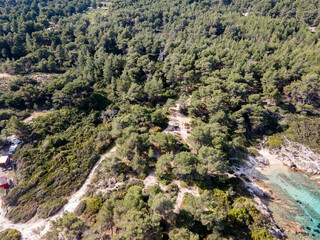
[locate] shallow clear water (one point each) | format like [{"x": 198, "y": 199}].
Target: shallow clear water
[{"x": 301, "y": 197}]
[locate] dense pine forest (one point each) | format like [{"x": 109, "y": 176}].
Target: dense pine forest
[{"x": 242, "y": 70}]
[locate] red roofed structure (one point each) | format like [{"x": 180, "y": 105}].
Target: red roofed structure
[{"x": 4, "y": 182}]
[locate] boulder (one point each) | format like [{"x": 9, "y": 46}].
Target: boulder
[{"x": 277, "y": 233}]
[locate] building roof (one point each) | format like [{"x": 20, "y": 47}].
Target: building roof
[
  {"x": 3, "y": 159},
  {"x": 3, "y": 180}
]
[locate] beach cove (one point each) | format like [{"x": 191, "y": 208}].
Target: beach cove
[{"x": 296, "y": 204}]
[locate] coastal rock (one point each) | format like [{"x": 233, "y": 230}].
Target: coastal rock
[
  {"x": 246, "y": 173},
  {"x": 310, "y": 170},
  {"x": 262, "y": 160},
  {"x": 267, "y": 193},
  {"x": 298, "y": 229},
  {"x": 298, "y": 156},
  {"x": 257, "y": 191},
  {"x": 277, "y": 233}
]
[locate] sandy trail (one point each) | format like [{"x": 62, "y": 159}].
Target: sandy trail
[
  {"x": 151, "y": 180},
  {"x": 35, "y": 227},
  {"x": 178, "y": 123},
  {"x": 76, "y": 197},
  {"x": 182, "y": 191},
  {"x": 35, "y": 115},
  {"x": 178, "y": 126},
  {"x": 6, "y": 75}
]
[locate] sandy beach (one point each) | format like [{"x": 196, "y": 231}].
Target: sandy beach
[{"x": 274, "y": 162}]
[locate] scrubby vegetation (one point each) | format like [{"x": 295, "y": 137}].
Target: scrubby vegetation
[
  {"x": 306, "y": 131},
  {"x": 240, "y": 69},
  {"x": 10, "y": 234},
  {"x": 131, "y": 214}
]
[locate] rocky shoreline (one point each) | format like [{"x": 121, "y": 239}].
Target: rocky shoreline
[
  {"x": 293, "y": 155},
  {"x": 247, "y": 173},
  {"x": 298, "y": 157}
]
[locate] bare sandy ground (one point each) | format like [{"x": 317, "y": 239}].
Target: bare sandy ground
[
  {"x": 178, "y": 126},
  {"x": 151, "y": 180},
  {"x": 274, "y": 162},
  {"x": 6, "y": 75},
  {"x": 178, "y": 123},
  {"x": 35, "y": 115}
]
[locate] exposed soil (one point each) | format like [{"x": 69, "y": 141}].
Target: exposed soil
[
  {"x": 35, "y": 115},
  {"x": 179, "y": 124},
  {"x": 41, "y": 78},
  {"x": 151, "y": 180}
]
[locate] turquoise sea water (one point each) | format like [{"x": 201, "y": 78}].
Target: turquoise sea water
[{"x": 300, "y": 199}]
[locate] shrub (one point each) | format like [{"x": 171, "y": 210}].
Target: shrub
[
  {"x": 48, "y": 209},
  {"x": 23, "y": 213},
  {"x": 10, "y": 234},
  {"x": 260, "y": 234},
  {"x": 93, "y": 205},
  {"x": 173, "y": 190},
  {"x": 6, "y": 114},
  {"x": 81, "y": 207},
  {"x": 305, "y": 131},
  {"x": 275, "y": 141},
  {"x": 253, "y": 151}
]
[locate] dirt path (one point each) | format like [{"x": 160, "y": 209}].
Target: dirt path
[
  {"x": 41, "y": 78},
  {"x": 151, "y": 180},
  {"x": 179, "y": 126},
  {"x": 35, "y": 115},
  {"x": 4, "y": 81},
  {"x": 35, "y": 228},
  {"x": 178, "y": 123},
  {"x": 76, "y": 197},
  {"x": 182, "y": 191},
  {"x": 6, "y": 75}
]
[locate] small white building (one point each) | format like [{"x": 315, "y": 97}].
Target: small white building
[{"x": 4, "y": 160}]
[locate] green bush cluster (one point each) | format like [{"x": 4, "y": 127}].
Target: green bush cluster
[
  {"x": 305, "y": 130},
  {"x": 10, "y": 234},
  {"x": 275, "y": 141}
]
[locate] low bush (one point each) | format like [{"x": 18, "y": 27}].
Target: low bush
[
  {"x": 48, "y": 209},
  {"x": 275, "y": 141},
  {"x": 81, "y": 207},
  {"x": 10, "y": 234}
]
